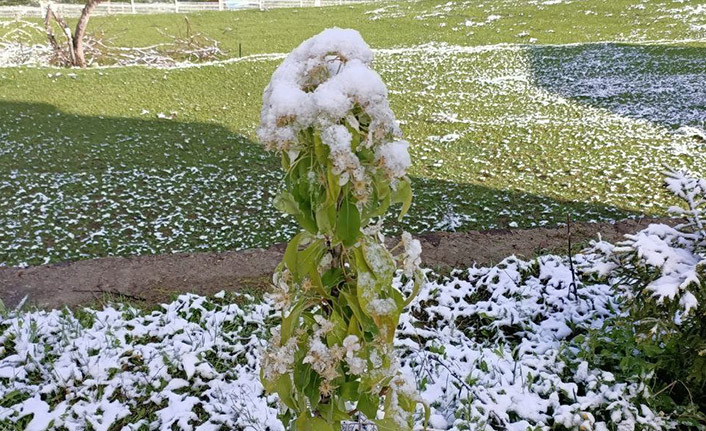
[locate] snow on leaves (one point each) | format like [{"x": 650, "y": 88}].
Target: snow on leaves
[
  {"x": 491, "y": 349},
  {"x": 99, "y": 369}
]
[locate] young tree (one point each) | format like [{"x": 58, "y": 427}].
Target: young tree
[
  {"x": 326, "y": 112},
  {"x": 74, "y": 54}
]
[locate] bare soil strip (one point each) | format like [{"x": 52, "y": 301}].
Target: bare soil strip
[{"x": 154, "y": 279}]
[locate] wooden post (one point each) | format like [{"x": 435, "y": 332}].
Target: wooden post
[
  {"x": 132, "y": 5},
  {"x": 221, "y": 4},
  {"x": 176, "y": 6}
]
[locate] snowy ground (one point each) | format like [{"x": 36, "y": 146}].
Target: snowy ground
[
  {"x": 515, "y": 119},
  {"x": 491, "y": 348},
  {"x": 502, "y": 136}
]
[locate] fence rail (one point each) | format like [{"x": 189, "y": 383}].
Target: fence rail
[{"x": 111, "y": 8}]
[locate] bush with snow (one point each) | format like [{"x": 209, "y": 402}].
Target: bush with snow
[
  {"x": 192, "y": 363},
  {"x": 332, "y": 359},
  {"x": 659, "y": 274}
]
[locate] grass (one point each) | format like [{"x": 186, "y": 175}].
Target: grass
[
  {"x": 551, "y": 121},
  {"x": 402, "y": 23}
]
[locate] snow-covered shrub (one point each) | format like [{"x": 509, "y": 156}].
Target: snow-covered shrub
[
  {"x": 660, "y": 273},
  {"x": 326, "y": 112},
  {"x": 191, "y": 364},
  {"x": 497, "y": 348}
]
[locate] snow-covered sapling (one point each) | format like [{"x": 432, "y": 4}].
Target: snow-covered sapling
[
  {"x": 661, "y": 280},
  {"x": 326, "y": 112}
]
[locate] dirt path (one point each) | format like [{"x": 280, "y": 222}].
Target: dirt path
[{"x": 153, "y": 279}]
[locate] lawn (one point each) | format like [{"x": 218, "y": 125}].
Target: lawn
[{"x": 515, "y": 117}]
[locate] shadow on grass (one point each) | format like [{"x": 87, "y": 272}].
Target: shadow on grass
[
  {"x": 663, "y": 84},
  {"x": 76, "y": 187}
]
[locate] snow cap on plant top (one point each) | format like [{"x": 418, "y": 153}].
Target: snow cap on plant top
[{"x": 318, "y": 85}]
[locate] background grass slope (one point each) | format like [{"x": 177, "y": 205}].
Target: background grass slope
[{"x": 518, "y": 112}]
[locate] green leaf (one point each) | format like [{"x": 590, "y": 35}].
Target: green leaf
[
  {"x": 366, "y": 322},
  {"x": 348, "y": 223},
  {"x": 418, "y": 282},
  {"x": 310, "y": 387},
  {"x": 365, "y": 290},
  {"x": 332, "y": 277},
  {"x": 361, "y": 264},
  {"x": 303, "y": 165},
  {"x": 368, "y": 404},
  {"x": 339, "y": 332},
  {"x": 302, "y": 375},
  {"x": 320, "y": 150},
  {"x": 389, "y": 321},
  {"x": 332, "y": 188},
  {"x": 334, "y": 413},
  {"x": 349, "y": 391},
  {"x": 388, "y": 424},
  {"x": 303, "y": 422},
  {"x": 290, "y": 254},
  {"x": 283, "y": 387},
  {"x": 366, "y": 155},
  {"x": 319, "y": 424},
  {"x": 306, "y": 218},
  {"x": 379, "y": 203},
  {"x": 318, "y": 284},
  {"x": 308, "y": 423},
  {"x": 291, "y": 322},
  {"x": 397, "y": 296},
  {"x": 267, "y": 384},
  {"x": 285, "y": 161},
  {"x": 326, "y": 217},
  {"x": 326, "y": 411},
  {"x": 307, "y": 222},
  {"x": 286, "y": 203},
  {"x": 301, "y": 263},
  {"x": 354, "y": 327},
  {"x": 406, "y": 403},
  {"x": 379, "y": 260},
  {"x": 355, "y": 137},
  {"x": 403, "y": 194},
  {"x": 309, "y": 258}
]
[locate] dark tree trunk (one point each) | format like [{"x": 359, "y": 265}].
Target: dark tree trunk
[{"x": 79, "y": 57}]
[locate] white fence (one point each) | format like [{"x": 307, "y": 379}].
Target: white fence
[{"x": 110, "y": 8}]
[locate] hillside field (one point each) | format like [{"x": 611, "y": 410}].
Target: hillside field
[{"x": 515, "y": 118}]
